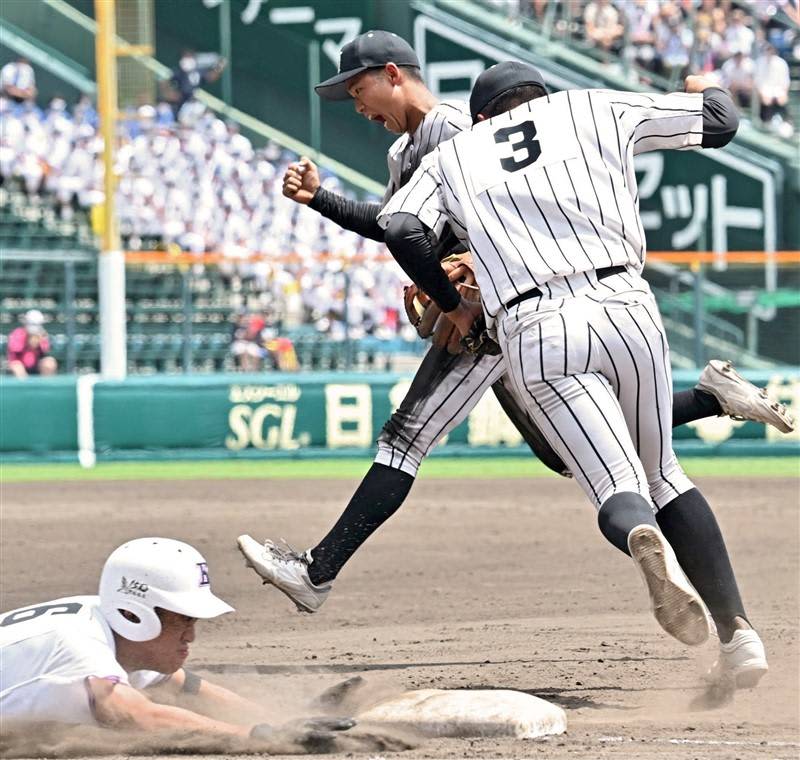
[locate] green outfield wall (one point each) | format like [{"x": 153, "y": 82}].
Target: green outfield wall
[{"x": 288, "y": 415}]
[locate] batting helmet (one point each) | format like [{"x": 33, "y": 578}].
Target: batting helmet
[{"x": 147, "y": 573}]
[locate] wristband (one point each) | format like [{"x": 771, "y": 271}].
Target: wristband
[{"x": 191, "y": 683}]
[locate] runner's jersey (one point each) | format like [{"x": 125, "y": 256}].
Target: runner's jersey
[{"x": 48, "y": 650}]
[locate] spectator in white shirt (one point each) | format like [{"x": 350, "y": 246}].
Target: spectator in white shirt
[
  {"x": 17, "y": 81},
  {"x": 738, "y": 36},
  {"x": 603, "y": 25},
  {"x": 737, "y": 76},
  {"x": 772, "y": 83}
]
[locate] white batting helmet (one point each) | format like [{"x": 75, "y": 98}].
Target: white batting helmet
[{"x": 155, "y": 572}]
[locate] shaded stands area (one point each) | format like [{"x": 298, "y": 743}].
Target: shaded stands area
[
  {"x": 32, "y": 222},
  {"x": 178, "y": 320},
  {"x": 717, "y": 308}
]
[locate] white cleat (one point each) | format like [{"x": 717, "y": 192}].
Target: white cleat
[
  {"x": 285, "y": 569},
  {"x": 742, "y": 400},
  {"x": 676, "y": 606},
  {"x": 742, "y": 661}
]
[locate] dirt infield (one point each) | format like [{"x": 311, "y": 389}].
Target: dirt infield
[{"x": 481, "y": 584}]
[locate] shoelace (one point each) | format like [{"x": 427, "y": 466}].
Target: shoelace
[{"x": 285, "y": 555}]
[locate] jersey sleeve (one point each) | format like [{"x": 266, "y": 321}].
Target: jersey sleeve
[
  {"x": 393, "y": 158},
  {"x": 672, "y": 121},
  {"x": 92, "y": 657},
  {"x": 422, "y": 197},
  {"x": 147, "y": 679}
]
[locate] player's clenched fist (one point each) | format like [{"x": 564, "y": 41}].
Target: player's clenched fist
[{"x": 301, "y": 181}]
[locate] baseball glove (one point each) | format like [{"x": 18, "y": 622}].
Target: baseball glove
[
  {"x": 421, "y": 311},
  {"x": 429, "y": 321}
]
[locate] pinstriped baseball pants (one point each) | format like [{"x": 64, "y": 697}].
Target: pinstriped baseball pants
[
  {"x": 444, "y": 391},
  {"x": 593, "y": 369}
]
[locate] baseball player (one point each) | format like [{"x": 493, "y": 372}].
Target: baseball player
[
  {"x": 543, "y": 190},
  {"x": 116, "y": 659},
  {"x": 380, "y": 73}
]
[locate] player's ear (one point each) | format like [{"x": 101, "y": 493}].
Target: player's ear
[
  {"x": 480, "y": 117},
  {"x": 392, "y": 71}
]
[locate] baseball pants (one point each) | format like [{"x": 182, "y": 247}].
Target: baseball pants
[
  {"x": 444, "y": 391},
  {"x": 592, "y": 365}
]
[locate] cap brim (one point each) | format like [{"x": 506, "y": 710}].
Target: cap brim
[
  {"x": 335, "y": 88},
  {"x": 197, "y": 604}
]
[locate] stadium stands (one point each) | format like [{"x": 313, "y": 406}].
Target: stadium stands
[
  {"x": 198, "y": 186},
  {"x": 659, "y": 42}
]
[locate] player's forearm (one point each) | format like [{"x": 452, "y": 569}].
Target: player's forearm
[
  {"x": 167, "y": 717},
  {"x": 408, "y": 240},
  {"x": 360, "y": 217},
  {"x": 120, "y": 705},
  {"x": 720, "y": 118}
]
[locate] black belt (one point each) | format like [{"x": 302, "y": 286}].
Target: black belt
[{"x": 535, "y": 293}]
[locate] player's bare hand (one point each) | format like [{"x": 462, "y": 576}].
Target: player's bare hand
[
  {"x": 301, "y": 181},
  {"x": 464, "y": 315},
  {"x": 697, "y": 83}
]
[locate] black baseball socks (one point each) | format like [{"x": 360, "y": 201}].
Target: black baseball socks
[{"x": 376, "y": 499}]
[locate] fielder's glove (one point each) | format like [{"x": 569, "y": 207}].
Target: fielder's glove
[
  {"x": 421, "y": 311},
  {"x": 317, "y": 735},
  {"x": 428, "y": 319},
  {"x": 479, "y": 341}
]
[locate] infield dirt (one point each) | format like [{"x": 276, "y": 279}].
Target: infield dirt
[{"x": 477, "y": 584}]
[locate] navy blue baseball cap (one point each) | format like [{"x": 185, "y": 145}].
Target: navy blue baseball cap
[
  {"x": 501, "y": 78},
  {"x": 371, "y": 50}
]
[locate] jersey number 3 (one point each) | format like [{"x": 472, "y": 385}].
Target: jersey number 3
[{"x": 525, "y": 134}]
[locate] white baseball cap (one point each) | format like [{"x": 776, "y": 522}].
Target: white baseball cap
[{"x": 33, "y": 320}]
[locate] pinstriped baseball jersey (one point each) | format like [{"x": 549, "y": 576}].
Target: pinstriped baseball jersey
[
  {"x": 548, "y": 189},
  {"x": 446, "y": 388},
  {"x": 441, "y": 123}
]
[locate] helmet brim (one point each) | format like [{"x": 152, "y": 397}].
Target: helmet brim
[{"x": 200, "y": 604}]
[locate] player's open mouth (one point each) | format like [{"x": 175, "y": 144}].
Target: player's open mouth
[{"x": 378, "y": 118}]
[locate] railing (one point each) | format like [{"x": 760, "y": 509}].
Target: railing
[{"x": 184, "y": 324}]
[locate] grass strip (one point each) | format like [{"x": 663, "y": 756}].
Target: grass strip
[{"x": 353, "y": 469}]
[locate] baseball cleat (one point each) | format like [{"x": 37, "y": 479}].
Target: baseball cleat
[
  {"x": 742, "y": 400},
  {"x": 285, "y": 569},
  {"x": 742, "y": 661},
  {"x": 676, "y": 606}
]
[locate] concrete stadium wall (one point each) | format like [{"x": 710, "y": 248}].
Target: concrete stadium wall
[{"x": 288, "y": 415}]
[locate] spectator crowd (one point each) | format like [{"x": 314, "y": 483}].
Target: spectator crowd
[
  {"x": 745, "y": 45},
  {"x": 189, "y": 180}
]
